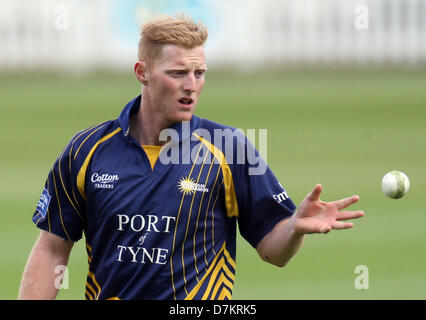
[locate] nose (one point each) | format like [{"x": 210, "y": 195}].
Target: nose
[{"x": 190, "y": 85}]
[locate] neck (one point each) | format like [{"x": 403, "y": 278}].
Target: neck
[{"x": 146, "y": 125}]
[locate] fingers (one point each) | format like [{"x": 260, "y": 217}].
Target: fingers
[
  {"x": 338, "y": 225},
  {"x": 325, "y": 229},
  {"x": 348, "y": 215},
  {"x": 314, "y": 195},
  {"x": 346, "y": 202},
  {"x": 320, "y": 228}
]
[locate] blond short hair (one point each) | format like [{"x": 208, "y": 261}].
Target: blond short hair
[{"x": 179, "y": 30}]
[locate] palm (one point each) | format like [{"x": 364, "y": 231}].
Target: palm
[{"x": 316, "y": 216}]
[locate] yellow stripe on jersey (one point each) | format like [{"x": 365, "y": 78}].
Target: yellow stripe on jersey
[
  {"x": 196, "y": 225},
  {"x": 230, "y": 196},
  {"x": 85, "y": 131},
  {"x": 48, "y": 213},
  {"x": 88, "y": 295},
  {"x": 214, "y": 204},
  {"x": 93, "y": 289},
  {"x": 195, "y": 290},
  {"x": 222, "y": 280},
  {"x": 71, "y": 149},
  {"x": 221, "y": 266},
  {"x": 206, "y": 215},
  {"x": 89, "y": 253},
  {"x": 153, "y": 153},
  {"x": 65, "y": 190},
  {"x": 219, "y": 271},
  {"x": 92, "y": 293},
  {"x": 225, "y": 294},
  {"x": 230, "y": 261},
  {"x": 176, "y": 227},
  {"x": 88, "y": 136},
  {"x": 97, "y": 290},
  {"x": 59, "y": 206},
  {"x": 81, "y": 177},
  {"x": 187, "y": 225}
]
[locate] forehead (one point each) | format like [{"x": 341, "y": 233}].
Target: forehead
[{"x": 174, "y": 56}]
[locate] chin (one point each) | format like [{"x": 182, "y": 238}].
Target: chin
[{"x": 183, "y": 116}]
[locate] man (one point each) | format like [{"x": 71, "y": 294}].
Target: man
[{"x": 158, "y": 199}]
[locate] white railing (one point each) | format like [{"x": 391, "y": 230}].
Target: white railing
[
  {"x": 83, "y": 34},
  {"x": 327, "y": 31}
]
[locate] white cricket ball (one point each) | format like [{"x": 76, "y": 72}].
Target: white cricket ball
[{"x": 395, "y": 184}]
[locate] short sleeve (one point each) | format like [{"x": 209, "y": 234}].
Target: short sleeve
[
  {"x": 262, "y": 200},
  {"x": 61, "y": 209}
]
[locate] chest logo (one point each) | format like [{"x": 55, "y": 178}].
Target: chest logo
[
  {"x": 188, "y": 186},
  {"x": 104, "y": 181}
]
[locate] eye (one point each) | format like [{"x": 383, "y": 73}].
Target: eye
[
  {"x": 177, "y": 73},
  {"x": 199, "y": 73}
]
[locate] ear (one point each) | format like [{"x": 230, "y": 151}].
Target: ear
[{"x": 141, "y": 72}]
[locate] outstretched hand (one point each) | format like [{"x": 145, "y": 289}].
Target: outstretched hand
[{"x": 316, "y": 216}]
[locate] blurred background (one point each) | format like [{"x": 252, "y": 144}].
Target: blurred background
[{"x": 339, "y": 85}]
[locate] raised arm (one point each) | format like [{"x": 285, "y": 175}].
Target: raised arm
[{"x": 38, "y": 280}]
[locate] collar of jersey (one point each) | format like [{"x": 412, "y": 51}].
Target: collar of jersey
[{"x": 133, "y": 106}]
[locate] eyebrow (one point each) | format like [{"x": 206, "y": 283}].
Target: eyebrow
[{"x": 188, "y": 66}]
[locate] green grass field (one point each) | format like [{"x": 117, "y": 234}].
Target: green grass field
[{"x": 344, "y": 129}]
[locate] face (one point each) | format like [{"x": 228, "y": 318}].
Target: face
[{"x": 172, "y": 85}]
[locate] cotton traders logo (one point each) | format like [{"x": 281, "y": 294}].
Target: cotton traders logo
[
  {"x": 188, "y": 186},
  {"x": 104, "y": 181}
]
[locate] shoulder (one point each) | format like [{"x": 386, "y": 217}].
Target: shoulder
[
  {"x": 212, "y": 125},
  {"x": 218, "y": 133},
  {"x": 84, "y": 141}
]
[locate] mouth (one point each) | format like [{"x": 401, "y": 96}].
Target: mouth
[{"x": 186, "y": 101}]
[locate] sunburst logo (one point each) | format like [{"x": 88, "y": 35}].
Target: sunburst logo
[{"x": 188, "y": 186}]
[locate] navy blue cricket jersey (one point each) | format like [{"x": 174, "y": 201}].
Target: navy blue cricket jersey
[{"x": 167, "y": 232}]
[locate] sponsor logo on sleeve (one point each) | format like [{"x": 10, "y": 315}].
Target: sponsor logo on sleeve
[
  {"x": 43, "y": 203},
  {"x": 282, "y": 196}
]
